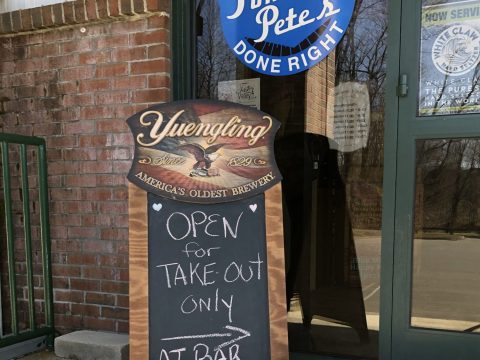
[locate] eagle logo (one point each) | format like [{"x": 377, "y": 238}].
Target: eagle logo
[{"x": 204, "y": 158}]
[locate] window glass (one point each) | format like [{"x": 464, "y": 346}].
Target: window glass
[
  {"x": 330, "y": 152},
  {"x": 446, "y": 279}
]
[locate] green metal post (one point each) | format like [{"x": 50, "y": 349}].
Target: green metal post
[
  {"x": 46, "y": 246},
  {"x": 28, "y": 235},
  {"x": 10, "y": 241}
]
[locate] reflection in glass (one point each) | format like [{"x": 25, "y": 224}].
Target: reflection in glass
[
  {"x": 446, "y": 275},
  {"x": 330, "y": 152}
]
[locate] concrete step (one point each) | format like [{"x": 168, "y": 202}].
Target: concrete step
[{"x": 92, "y": 345}]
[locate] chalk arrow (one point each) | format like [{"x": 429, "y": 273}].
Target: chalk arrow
[{"x": 243, "y": 334}]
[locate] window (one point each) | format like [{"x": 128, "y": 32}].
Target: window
[{"x": 12, "y": 5}]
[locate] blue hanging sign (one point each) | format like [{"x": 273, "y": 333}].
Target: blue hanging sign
[{"x": 284, "y": 37}]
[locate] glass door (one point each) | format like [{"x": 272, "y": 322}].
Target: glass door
[
  {"x": 436, "y": 284},
  {"x": 330, "y": 152}
]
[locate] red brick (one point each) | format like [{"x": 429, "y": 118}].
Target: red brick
[
  {"x": 95, "y": 57},
  {"x": 114, "y": 313},
  {"x": 139, "y": 6},
  {"x": 82, "y": 232},
  {"x": 37, "y": 18},
  {"x": 123, "y": 326},
  {"x": 111, "y": 126},
  {"x": 126, "y": 27},
  {"x": 62, "y": 141},
  {"x": 65, "y": 246},
  {"x": 26, "y": 19},
  {"x": 151, "y": 96},
  {"x": 158, "y": 22},
  {"x": 98, "y": 194},
  {"x": 60, "y": 283},
  {"x": 64, "y": 194},
  {"x": 113, "y": 234},
  {"x": 82, "y": 45},
  {"x": 82, "y": 259},
  {"x": 101, "y": 273},
  {"x": 68, "y": 295},
  {"x": 129, "y": 53},
  {"x": 96, "y": 112},
  {"x": 126, "y": 7},
  {"x": 114, "y": 154},
  {"x": 114, "y": 97},
  {"x": 98, "y": 324},
  {"x": 120, "y": 194},
  {"x": 86, "y": 310},
  {"x": 47, "y": 13},
  {"x": 94, "y": 85},
  {"x": 130, "y": 82},
  {"x": 122, "y": 300},
  {"x": 158, "y": 81},
  {"x": 16, "y": 21},
  {"x": 79, "y": 154},
  {"x": 84, "y": 285},
  {"x": 113, "y": 9},
  {"x": 77, "y": 73},
  {"x": 111, "y": 180},
  {"x": 110, "y": 42},
  {"x": 76, "y": 207},
  {"x": 150, "y": 67},
  {"x": 96, "y": 167},
  {"x": 62, "y": 61},
  {"x": 151, "y": 37},
  {"x": 158, "y": 51},
  {"x": 112, "y": 70},
  {"x": 102, "y": 7},
  {"x": 114, "y": 287},
  {"x": 69, "y": 12},
  {"x": 65, "y": 270},
  {"x": 81, "y": 180},
  {"x": 57, "y": 14},
  {"x": 91, "y": 7},
  {"x": 43, "y": 50},
  {"x": 80, "y": 15},
  {"x": 122, "y": 139},
  {"x": 153, "y": 5},
  {"x": 97, "y": 246},
  {"x": 78, "y": 100},
  {"x": 116, "y": 207},
  {"x": 122, "y": 167}
]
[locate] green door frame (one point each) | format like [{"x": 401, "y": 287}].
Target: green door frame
[
  {"x": 407, "y": 342},
  {"x": 183, "y": 16}
]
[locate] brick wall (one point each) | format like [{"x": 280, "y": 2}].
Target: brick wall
[{"x": 73, "y": 73}]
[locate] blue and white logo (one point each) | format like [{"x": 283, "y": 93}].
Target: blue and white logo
[{"x": 284, "y": 37}]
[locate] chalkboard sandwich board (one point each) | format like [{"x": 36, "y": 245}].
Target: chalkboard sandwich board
[{"x": 206, "y": 241}]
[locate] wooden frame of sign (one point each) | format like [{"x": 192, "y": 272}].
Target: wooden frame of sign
[
  {"x": 209, "y": 155},
  {"x": 138, "y": 248}
]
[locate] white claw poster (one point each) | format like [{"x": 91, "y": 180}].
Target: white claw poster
[{"x": 449, "y": 81}]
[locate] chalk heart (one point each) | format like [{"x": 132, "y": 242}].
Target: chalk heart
[
  {"x": 157, "y": 207},
  {"x": 253, "y": 207}
]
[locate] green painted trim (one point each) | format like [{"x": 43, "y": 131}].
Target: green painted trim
[
  {"x": 183, "y": 49},
  {"x": 46, "y": 241},
  {"x": 389, "y": 180},
  {"x": 7, "y": 193},
  {"x": 20, "y": 139}
]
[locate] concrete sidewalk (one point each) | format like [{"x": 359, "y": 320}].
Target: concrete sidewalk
[{"x": 44, "y": 355}]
